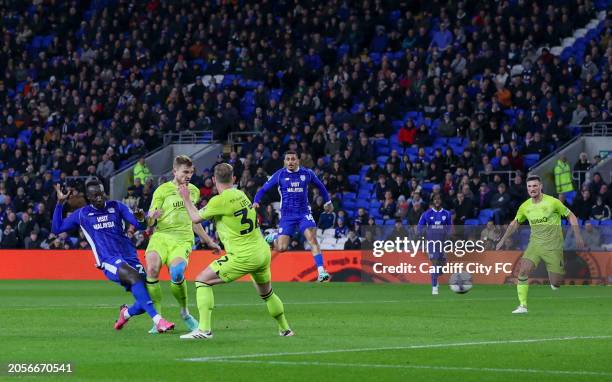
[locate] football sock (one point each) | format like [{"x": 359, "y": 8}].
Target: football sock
[
  {"x": 156, "y": 319},
  {"x": 318, "y": 259},
  {"x": 206, "y": 302},
  {"x": 179, "y": 291},
  {"x": 143, "y": 301},
  {"x": 522, "y": 288},
  {"x": 276, "y": 310},
  {"x": 434, "y": 279},
  {"x": 155, "y": 293}
]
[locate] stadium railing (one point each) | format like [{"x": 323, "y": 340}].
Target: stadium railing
[{"x": 189, "y": 137}]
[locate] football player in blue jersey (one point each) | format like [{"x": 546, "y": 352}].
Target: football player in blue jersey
[
  {"x": 102, "y": 222},
  {"x": 292, "y": 183},
  {"x": 435, "y": 224}
]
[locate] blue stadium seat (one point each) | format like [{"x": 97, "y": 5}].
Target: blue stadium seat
[
  {"x": 375, "y": 204},
  {"x": 362, "y": 204},
  {"x": 472, "y": 222},
  {"x": 349, "y": 204},
  {"x": 486, "y": 213},
  {"x": 349, "y": 195},
  {"x": 390, "y": 222},
  {"x": 379, "y": 222},
  {"x": 353, "y": 179},
  {"x": 569, "y": 196},
  {"x": 531, "y": 159}
]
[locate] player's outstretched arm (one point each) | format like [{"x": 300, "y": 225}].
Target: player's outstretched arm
[
  {"x": 59, "y": 224},
  {"x": 573, "y": 220},
  {"x": 272, "y": 182},
  {"x": 191, "y": 209},
  {"x": 511, "y": 228}
]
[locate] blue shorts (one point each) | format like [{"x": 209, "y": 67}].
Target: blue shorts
[
  {"x": 288, "y": 225},
  {"x": 110, "y": 267}
]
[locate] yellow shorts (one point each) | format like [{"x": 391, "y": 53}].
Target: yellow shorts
[
  {"x": 231, "y": 267},
  {"x": 168, "y": 248},
  {"x": 553, "y": 259}
]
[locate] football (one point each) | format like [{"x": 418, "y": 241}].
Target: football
[{"x": 460, "y": 282}]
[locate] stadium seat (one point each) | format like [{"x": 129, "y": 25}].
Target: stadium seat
[{"x": 472, "y": 222}]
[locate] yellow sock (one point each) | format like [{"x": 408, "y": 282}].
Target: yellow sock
[
  {"x": 276, "y": 310},
  {"x": 155, "y": 292},
  {"x": 522, "y": 288},
  {"x": 179, "y": 291},
  {"x": 206, "y": 302}
]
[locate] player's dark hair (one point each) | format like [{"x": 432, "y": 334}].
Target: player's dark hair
[
  {"x": 224, "y": 173},
  {"x": 182, "y": 160},
  {"x": 534, "y": 177},
  {"x": 92, "y": 183},
  {"x": 290, "y": 152}
]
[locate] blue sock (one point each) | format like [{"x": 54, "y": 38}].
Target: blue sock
[
  {"x": 318, "y": 258},
  {"x": 135, "y": 309},
  {"x": 139, "y": 290},
  {"x": 434, "y": 279}
]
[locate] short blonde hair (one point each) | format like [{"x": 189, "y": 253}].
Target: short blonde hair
[
  {"x": 224, "y": 173},
  {"x": 182, "y": 160}
]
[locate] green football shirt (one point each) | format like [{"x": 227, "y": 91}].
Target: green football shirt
[
  {"x": 545, "y": 221},
  {"x": 175, "y": 220},
  {"x": 235, "y": 222}
]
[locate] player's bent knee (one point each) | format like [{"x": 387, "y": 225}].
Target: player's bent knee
[
  {"x": 177, "y": 272},
  {"x": 128, "y": 275}
]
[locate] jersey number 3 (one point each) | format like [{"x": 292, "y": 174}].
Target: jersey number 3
[{"x": 245, "y": 220}]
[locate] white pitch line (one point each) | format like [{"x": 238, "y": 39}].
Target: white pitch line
[
  {"x": 114, "y": 306},
  {"x": 428, "y": 300},
  {"x": 407, "y": 347},
  {"x": 426, "y": 367}
]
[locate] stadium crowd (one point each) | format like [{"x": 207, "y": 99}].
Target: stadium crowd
[{"x": 402, "y": 99}]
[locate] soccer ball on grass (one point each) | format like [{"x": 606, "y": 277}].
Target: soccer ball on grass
[{"x": 460, "y": 282}]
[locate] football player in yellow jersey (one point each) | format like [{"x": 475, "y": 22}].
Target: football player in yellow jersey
[
  {"x": 173, "y": 240},
  {"x": 246, "y": 251},
  {"x": 543, "y": 212}
]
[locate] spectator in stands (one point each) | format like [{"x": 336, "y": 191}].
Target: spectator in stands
[
  {"x": 132, "y": 200},
  {"x": 341, "y": 229},
  {"x": 327, "y": 218},
  {"x": 398, "y": 231},
  {"x": 407, "y": 134},
  {"x": 105, "y": 168},
  {"x": 583, "y": 204},
  {"x": 414, "y": 213},
  {"x": 353, "y": 242},
  {"x": 490, "y": 235},
  {"x": 269, "y": 218},
  {"x": 141, "y": 170},
  {"x": 9, "y": 237},
  {"x": 26, "y": 226},
  {"x": 373, "y": 172},
  {"x": 500, "y": 203},
  {"x": 388, "y": 208},
  {"x": 518, "y": 191},
  {"x": 33, "y": 241},
  {"x": 596, "y": 183},
  {"x": 581, "y": 167},
  {"x": 463, "y": 209},
  {"x": 600, "y": 211}
]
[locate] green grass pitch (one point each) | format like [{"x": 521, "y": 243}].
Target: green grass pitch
[{"x": 345, "y": 332}]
